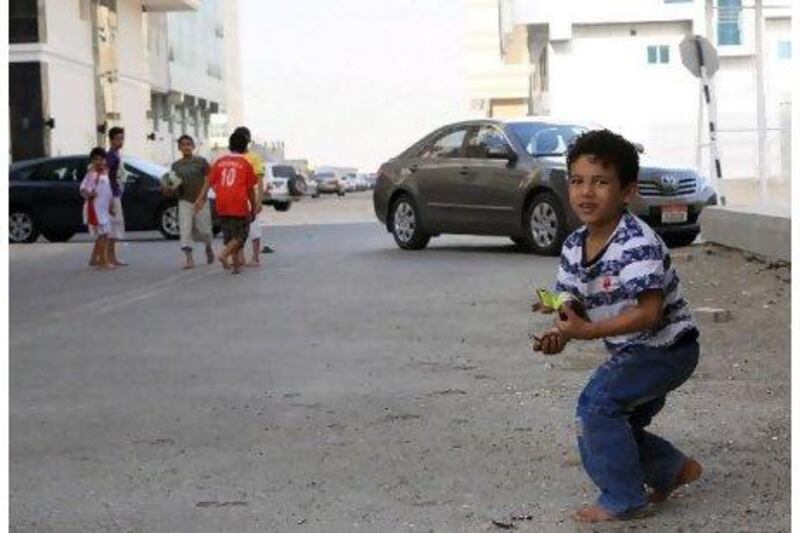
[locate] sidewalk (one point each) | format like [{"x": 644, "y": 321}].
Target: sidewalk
[
  {"x": 747, "y": 224},
  {"x": 745, "y": 192}
]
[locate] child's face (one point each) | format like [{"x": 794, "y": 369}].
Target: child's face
[
  {"x": 595, "y": 192},
  {"x": 186, "y": 147},
  {"x": 97, "y": 162},
  {"x": 117, "y": 141}
]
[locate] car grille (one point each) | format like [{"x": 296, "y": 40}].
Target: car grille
[{"x": 685, "y": 185}]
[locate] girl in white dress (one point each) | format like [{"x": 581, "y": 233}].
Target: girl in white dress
[{"x": 98, "y": 209}]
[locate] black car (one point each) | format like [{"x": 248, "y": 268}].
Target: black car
[
  {"x": 44, "y": 199},
  {"x": 509, "y": 178}
]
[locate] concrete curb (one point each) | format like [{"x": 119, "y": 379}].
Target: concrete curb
[{"x": 763, "y": 230}]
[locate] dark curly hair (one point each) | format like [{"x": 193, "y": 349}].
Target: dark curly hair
[
  {"x": 609, "y": 149},
  {"x": 97, "y": 152}
]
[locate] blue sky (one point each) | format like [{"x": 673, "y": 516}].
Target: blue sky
[{"x": 351, "y": 82}]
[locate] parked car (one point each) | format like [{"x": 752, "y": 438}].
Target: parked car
[
  {"x": 282, "y": 186},
  {"x": 350, "y": 182},
  {"x": 509, "y": 177},
  {"x": 330, "y": 183},
  {"x": 361, "y": 182},
  {"x": 310, "y": 186},
  {"x": 370, "y": 179},
  {"x": 44, "y": 199}
]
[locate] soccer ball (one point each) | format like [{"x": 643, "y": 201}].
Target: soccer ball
[{"x": 172, "y": 180}]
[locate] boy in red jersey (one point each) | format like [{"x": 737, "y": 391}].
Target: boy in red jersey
[{"x": 233, "y": 181}]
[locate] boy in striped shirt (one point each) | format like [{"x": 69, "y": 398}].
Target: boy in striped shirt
[{"x": 619, "y": 270}]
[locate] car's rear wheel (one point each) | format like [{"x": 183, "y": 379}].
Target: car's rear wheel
[
  {"x": 22, "y": 226},
  {"x": 545, "y": 224},
  {"x": 297, "y": 186},
  {"x": 676, "y": 240},
  {"x": 168, "y": 223},
  {"x": 61, "y": 235},
  {"x": 405, "y": 225}
]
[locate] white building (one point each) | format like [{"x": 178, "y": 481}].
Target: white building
[
  {"x": 79, "y": 67},
  {"x": 618, "y": 63}
]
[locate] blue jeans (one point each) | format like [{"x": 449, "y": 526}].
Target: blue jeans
[{"x": 616, "y": 405}]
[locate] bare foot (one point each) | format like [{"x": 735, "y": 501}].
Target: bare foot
[
  {"x": 119, "y": 263},
  {"x": 254, "y": 264},
  {"x": 188, "y": 266},
  {"x": 595, "y": 513},
  {"x": 224, "y": 263},
  {"x": 690, "y": 471},
  {"x": 107, "y": 266},
  {"x": 236, "y": 269}
]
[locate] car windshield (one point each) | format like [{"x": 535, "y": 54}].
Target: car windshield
[
  {"x": 283, "y": 172},
  {"x": 148, "y": 167},
  {"x": 543, "y": 138}
]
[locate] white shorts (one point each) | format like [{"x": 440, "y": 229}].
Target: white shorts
[
  {"x": 193, "y": 227},
  {"x": 255, "y": 231},
  {"x": 118, "y": 221}
]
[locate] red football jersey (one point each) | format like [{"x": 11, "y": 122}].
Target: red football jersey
[{"x": 232, "y": 177}]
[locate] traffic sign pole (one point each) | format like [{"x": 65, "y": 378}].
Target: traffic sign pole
[{"x": 709, "y": 95}]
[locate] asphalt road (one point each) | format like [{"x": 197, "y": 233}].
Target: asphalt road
[
  {"x": 346, "y": 385},
  {"x": 140, "y": 394}
]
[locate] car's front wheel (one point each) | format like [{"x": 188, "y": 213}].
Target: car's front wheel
[
  {"x": 405, "y": 225},
  {"x": 544, "y": 224},
  {"x": 168, "y": 221},
  {"x": 22, "y": 226}
]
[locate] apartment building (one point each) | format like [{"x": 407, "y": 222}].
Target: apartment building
[
  {"x": 618, "y": 64},
  {"x": 79, "y": 67}
]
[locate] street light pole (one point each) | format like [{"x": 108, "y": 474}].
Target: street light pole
[{"x": 761, "y": 118}]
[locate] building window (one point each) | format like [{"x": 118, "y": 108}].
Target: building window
[
  {"x": 784, "y": 49},
  {"x": 657, "y": 54},
  {"x": 729, "y": 22},
  {"x": 23, "y": 21}
]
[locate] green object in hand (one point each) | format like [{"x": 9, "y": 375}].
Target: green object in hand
[{"x": 552, "y": 300}]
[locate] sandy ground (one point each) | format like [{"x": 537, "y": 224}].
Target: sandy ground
[{"x": 351, "y": 386}]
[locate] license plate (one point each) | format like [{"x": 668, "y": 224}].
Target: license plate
[{"x": 674, "y": 214}]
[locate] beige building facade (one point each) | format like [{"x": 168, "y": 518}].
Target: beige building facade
[{"x": 79, "y": 67}]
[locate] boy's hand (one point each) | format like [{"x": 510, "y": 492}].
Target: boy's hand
[
  {"x": 111, "y": 210},
  {"x": 571, "y": 325},
  {"x": 539, "y": 307},
  {"x": 550, "y": 342},
  {"x": 198, "y": 206}
]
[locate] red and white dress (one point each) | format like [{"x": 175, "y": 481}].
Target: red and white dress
[{"x": 96, "y": 188}]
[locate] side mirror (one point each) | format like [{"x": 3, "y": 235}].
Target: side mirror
[
  {"x": 501, "y": 152},
  {"x": 639, "y": 147}
]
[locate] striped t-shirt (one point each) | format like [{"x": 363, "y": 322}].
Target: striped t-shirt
[{"x": 634, "y": 260}]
